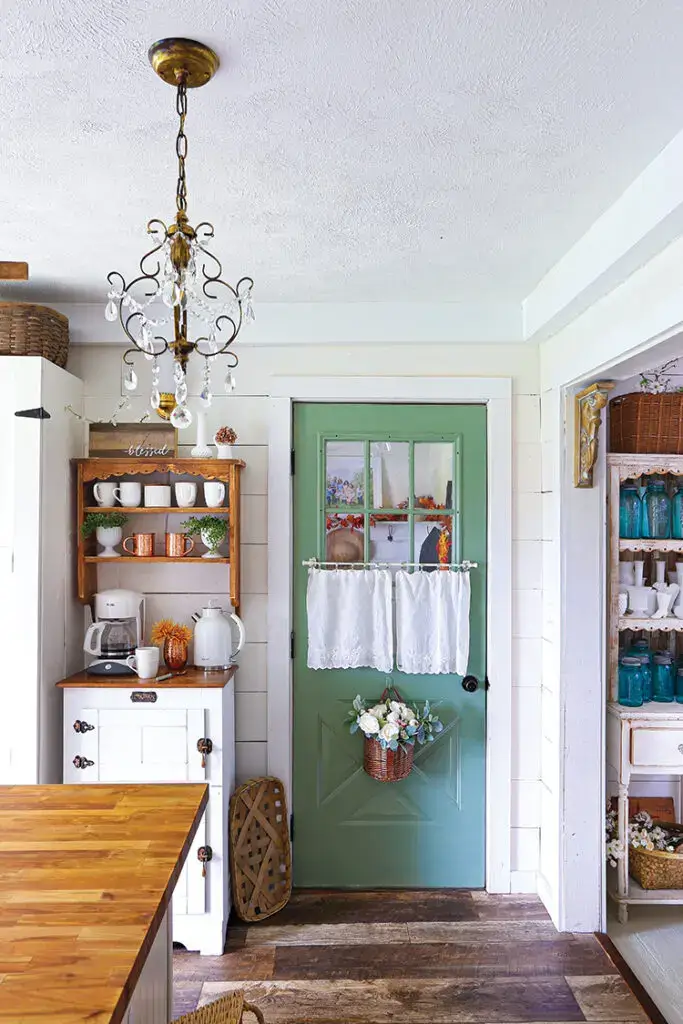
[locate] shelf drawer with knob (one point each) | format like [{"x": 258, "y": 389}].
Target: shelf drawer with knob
[{"x": 658, "y": 747}]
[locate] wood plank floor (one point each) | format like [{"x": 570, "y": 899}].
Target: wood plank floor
[{"x": 432, "y": 957}]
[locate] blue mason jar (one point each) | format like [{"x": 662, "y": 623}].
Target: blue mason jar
[
  {"x": 630, "y": 683},
  {"x": 646, "y": 668},
  {"x": 630, "y": 511},
  {"x": 679, "y": 686},
  {"x": 663, "y": 679},
  {"x": 656, "y": 510},
  {"x": 677, "y": 509}
]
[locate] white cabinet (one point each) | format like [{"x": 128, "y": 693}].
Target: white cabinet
[{"x": 147, "y": 734}]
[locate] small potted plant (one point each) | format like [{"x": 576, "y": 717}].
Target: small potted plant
[
  {"x": 391, "y": 728},
  {"x": 173, "y": 638},
  {"x": 107, "y": 528},
  {"x": 225, "y": 438},
  {"x": 212, "y": 529}
]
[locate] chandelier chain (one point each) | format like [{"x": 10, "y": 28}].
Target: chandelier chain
[{"x": 181, "y": 148}]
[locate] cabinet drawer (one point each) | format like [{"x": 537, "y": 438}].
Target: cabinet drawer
[{"x": 657, "y": 747}]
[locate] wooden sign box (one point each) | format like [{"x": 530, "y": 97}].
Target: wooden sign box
[{"x": 132, "y": 440}]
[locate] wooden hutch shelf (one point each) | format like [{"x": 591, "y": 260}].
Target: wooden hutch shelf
[
  {"x": 647, "y": 740},
  {"x": 160, "y": 510},
  {"x": 226, "y": 471},
  {"x": 194, "y": 559}
]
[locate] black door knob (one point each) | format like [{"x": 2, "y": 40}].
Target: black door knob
[{"x": 470, "y": 683}]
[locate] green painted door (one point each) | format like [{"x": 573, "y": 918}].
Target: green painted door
[{"x": 382, "y": 469}]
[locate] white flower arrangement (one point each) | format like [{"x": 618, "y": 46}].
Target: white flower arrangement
[
  {"x": 393, "y": 723},
  {"x": 643, "y": 834}
]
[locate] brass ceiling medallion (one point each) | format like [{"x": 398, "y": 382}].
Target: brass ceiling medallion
[
  {"x": 176, "y": 58},
  {"x": 179, "y": 302}
]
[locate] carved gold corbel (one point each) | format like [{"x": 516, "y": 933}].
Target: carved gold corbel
[{"x": 588, "y": 405}]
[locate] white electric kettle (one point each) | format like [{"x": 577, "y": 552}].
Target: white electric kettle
[{"x": 214, "y": 642}]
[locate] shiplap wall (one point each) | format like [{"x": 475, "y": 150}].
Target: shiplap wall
[{"x": 247, "y": 410}]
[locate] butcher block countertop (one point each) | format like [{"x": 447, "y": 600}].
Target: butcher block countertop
[
  {"x": 86, "y": 876},
  {"x": 194, "y": 677}
]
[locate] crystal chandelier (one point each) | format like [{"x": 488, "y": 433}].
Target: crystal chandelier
[{"x": 179, "y": 303}]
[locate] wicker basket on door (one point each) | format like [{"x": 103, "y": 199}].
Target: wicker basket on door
[
  {"x": 646, "y": 424},
  {"x": 228, "y": 1009},
  {"x": 260, "y": 850},
  {"x": 384, "y": 764},
  {"x": 28, "y": 330},
  {"x": 656, "y": 869}
]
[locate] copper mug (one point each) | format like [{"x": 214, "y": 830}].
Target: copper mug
[
  {"x": 143, "y": 545},
  {"x": 175, "y": 545}
]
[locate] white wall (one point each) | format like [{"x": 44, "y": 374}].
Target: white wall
[{"x": 247, "y": 410}]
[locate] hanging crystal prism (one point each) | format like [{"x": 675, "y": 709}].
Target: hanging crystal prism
[
  {"x": 130, "y": 379},
  {"x": 180, "y": 384},
  {"x": 181, "y": 417},
  {"x": 248, "y": 307},
  {"x": 155, "y": 398},
  {"x": 230, "y": 382},
  {"x": 205, "y": 393},
  {"x": 110, "y": 312}
]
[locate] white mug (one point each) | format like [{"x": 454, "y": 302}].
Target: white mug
[
  {"x": 214, "y": 493},
  {"x": 130, "y": 494},
  {"x": 157, "y": 496},
  {"x": 185, "y": 494},
  {"x": 145, "y": 662},
  {"x": 105, "y": 493}
]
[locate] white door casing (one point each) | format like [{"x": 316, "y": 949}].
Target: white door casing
[{"x": 496, "y": 394}]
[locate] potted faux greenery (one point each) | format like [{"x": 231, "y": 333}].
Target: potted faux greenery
[
  {"x": 107, "y": 528},
  {"x": 212, "y": 529}
]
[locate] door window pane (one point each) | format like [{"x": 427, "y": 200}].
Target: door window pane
[
  {"x": 434, "y": 473},
  {"x": 390, "y": 539},
  {"x": 390, "y": 473},
  {"x": 344, "y": 473}
]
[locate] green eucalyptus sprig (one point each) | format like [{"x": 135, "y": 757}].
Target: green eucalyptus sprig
[{"x": 102, "y": 520}]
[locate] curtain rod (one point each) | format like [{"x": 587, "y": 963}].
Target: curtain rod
[{"x": 313, "y": 563}]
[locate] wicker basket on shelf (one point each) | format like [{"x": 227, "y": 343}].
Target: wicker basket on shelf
[
  {"x": 656, "y": 869},
  {"x": 387, "y": 765},
  {"x": 642, "y": 423},
  {"x": 28, "y": 330}
]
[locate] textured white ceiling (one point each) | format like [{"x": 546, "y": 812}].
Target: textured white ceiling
[{"x": 381, "y": 150}]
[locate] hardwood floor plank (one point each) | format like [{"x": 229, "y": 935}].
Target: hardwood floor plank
[
  {"x": 379, "y": 906},
  {"x": 606, "y": 998},
  {"x": 433, "y": 1001},
  {"x": 186, "y": 996},
  {"x": 327, "y": 934},
  {"x": 503, "y": 932},
  {"x": 443, "y": 960},
  {"x": 255, "y": 964},
  {"x": 494, "y": 907}
]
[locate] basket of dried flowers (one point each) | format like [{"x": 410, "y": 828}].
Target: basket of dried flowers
[
  {"x": 655, "y": 850},
  {"x": 174, "y": 639}
]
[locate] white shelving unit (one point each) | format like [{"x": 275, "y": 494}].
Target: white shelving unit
[{"x": 647, "y": 740}]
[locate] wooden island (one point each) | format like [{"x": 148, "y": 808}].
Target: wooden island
[{"x": 86, "y": 879}]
